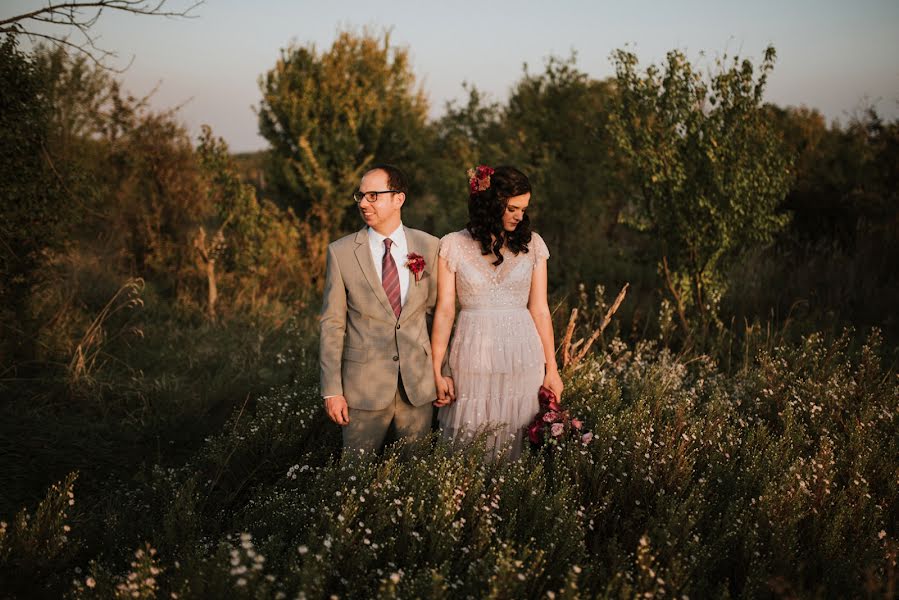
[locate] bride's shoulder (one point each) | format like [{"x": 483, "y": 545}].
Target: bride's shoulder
[
  {"x": 538, "y": 245},
  {"x": 536, "y": 240},
  {"x": 453, "y": 248},
  {"x": 456, "y": 236}
]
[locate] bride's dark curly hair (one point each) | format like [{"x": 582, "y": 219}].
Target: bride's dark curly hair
[{"x": 485, "y": 214}]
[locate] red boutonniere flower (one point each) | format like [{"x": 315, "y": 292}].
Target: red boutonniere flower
[{"x": 416, "y": 264}]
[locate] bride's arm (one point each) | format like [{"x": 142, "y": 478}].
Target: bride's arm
[
  {"x": 444, "y": 315},
  {"x": 538, "y": 305}
]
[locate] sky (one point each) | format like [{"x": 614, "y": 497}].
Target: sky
[{"x": 832, "y": 55}]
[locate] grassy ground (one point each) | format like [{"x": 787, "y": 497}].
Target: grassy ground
[{"x": 769, "y": 476}]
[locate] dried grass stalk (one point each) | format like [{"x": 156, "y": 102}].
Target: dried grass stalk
[{"x": 571, "y": 356}]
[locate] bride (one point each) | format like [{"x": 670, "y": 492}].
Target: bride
[{"x": 502, "y": 349}]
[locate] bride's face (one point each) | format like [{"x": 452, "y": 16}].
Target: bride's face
[{"x": 514, "y": 212}]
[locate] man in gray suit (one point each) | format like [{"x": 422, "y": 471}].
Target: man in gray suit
[{"x": 375, "y": 350}]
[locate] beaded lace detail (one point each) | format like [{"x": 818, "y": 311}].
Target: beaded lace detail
[{"x": 479, "y": 284}]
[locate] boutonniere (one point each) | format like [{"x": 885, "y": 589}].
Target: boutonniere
[{"x": 416, "y": 264}]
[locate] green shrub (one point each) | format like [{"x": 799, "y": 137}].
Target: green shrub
[{"x": 772, "y": 479}]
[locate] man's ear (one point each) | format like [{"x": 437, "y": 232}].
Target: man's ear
[{"x": 402, "y": 198}]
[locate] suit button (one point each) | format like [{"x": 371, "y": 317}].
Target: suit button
[
  {"x": 397, "y": 325},
  {"x": 396, "y": 358}
]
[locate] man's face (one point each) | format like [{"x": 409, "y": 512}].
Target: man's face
[
  {"x": 514, "y": 212},
  {"x": 382, "y": 215}
]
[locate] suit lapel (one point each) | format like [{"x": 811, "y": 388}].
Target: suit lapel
[
  {"x": 418, "y": 291},
  {"x": 366, "y": 263}
]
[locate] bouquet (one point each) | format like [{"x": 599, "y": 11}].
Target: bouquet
[{"x": 553, "y": 422}]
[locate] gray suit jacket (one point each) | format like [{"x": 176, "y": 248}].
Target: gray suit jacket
[{"x": 363, "y": 345}]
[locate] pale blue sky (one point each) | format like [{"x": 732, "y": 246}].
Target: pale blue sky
[{"x": 832, "y": 55}]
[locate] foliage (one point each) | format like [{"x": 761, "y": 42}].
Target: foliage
[
  {"x": 740, "y": 464},
  {"x": 36, "y": 546},
  {"x": 835, "y": 262},
  {"x": 697, "y": 482},
  {"x": 328, "y": 116},
  {"x": 260, "y": 246},
  {"x": 111, "y": 303},
  {"x": 31, "y": 199},
  {"x": 710, "y": 167},
  {"x": 464, "y": 136},
  {"x": 846, "y": 178},
  {"x": 554, "y": 127},
  {"x": 556, "y": 130}
]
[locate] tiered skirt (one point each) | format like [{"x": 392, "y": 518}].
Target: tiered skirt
[{"x": 497, "y": 365}]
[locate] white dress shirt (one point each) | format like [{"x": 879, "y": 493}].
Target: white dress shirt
[{"x": 399, "y": 250}]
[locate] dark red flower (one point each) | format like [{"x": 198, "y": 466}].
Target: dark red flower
[
  {"x": 479, "y": 178},
  {"x": 416, "y": 264},
  {"x": 545, "y": 396},
  {"x": 535, "y": 432}
]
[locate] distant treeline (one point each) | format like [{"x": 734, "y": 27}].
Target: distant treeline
[{"x": 711, "y": 202}]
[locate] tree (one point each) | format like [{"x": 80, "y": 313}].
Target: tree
[
  {"x": 555, "y": 126},
  {"x": 710, "y": 166},
  {"x": 125, "y": 170},
  {"x": 463, "y": 137},
  {"x": 554, "y": 129},
  {"x": 255, "y": 243},
  {"x": 845, "y": 176},
  {"x": 329, "y": 116},
  {"x": 32, "y": 205},
  {"x": 58, "y": 19}
]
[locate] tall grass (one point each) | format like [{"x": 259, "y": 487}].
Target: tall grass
[{"x": 774, "y": 477}]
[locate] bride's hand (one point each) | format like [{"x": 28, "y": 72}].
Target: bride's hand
[
  {"x": 446, "y": 392},
  {"x": 553, "y": 381}
]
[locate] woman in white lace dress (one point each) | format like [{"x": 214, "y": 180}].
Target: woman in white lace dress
[{"x": 502, "y": 348}]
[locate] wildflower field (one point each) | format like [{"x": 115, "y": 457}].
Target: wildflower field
[
  {"x": 734, "y": 433},
  {"x": 774, "y": 477}
]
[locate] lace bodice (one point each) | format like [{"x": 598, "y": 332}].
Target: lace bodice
[{"x": 480, "y": 285}]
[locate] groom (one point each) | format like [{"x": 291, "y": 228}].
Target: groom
[{"x": 375, "y": 351}]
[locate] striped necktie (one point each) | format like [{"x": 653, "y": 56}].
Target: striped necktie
[{"x": 390, "y": 278}]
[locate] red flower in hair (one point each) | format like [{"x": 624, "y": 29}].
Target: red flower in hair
[{"x": 479, "y": 178}]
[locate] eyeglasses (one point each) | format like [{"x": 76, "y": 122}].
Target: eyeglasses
[{"x": 372, "y": 197}]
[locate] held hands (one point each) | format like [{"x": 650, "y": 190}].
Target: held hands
[
  {"x": 446, "y": 391},
  {"x": 337, "y": 410},
  {"x": 553, "y": 381}
]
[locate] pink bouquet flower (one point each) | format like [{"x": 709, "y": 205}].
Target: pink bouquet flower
[{"x": 553, "y": 422}]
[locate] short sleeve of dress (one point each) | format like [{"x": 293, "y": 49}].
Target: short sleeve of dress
[
  {"x": 449, "y": 250},
  {"x": 538, "y": 247}
]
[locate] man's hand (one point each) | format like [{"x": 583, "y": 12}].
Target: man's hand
[
  {"x": 446, "y": 391},
  {"x": 337, "y": 410}
]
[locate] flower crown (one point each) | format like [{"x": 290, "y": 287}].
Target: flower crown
[{"x": 479, "y": 179}]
